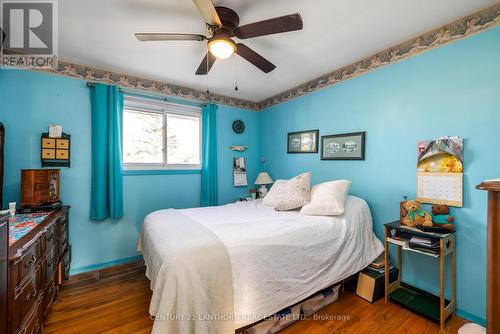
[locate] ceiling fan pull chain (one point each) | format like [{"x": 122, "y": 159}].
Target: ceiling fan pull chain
[
  {"x": 208, "y": 56},
  {"x": 236, "y": 71}
]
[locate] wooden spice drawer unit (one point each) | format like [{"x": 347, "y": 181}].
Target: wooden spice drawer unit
[{"x": 37, "y": 261}]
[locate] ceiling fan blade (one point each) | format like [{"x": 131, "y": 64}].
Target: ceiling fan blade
[
  {"x": 271, "y": 26},
  {"x": 159, "y": 36},
  {"x": 202, "y": 69},
  {"x": 208, "y": 12},
  {"x": 255, "y": 58}
]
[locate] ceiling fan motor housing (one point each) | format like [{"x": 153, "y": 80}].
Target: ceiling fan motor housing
[{"x": 230, "y": 20}]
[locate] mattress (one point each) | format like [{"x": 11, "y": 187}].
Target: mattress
[{"x": 280, "y": 258}]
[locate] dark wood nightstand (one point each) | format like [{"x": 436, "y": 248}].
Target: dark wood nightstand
[{"x": 434, "y": 307}]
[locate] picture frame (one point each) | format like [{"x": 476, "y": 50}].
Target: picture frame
[
  {"x": 303, "y": 141},
  {"x": 345, "y": 146}
]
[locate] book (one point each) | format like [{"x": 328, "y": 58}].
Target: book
[
  {"x": 378, "y": 263},
  {"x": 414, "y": 230},
  {"x": 398, "y": 241},
  {"x": 425, "y": 250},
  {"x": 380, "y": 270},
  {"x": 426, "y": 243}
]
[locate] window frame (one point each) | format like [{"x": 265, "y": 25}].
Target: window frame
[{"x": 151, "y": 105}]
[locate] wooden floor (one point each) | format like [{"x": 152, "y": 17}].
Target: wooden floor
[{"x": 116, "y": 300}]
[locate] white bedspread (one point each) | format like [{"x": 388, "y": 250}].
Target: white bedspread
[
  {"x": 190, "y": 273},
  {"x": 279, "y": 258}
]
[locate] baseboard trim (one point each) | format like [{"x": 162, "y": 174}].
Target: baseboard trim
[
  {"x": 471, "y": 317},
  {"x": 96, "y": 267}
]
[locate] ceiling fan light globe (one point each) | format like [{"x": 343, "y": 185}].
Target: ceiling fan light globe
[{"x": 221, "y": 48}]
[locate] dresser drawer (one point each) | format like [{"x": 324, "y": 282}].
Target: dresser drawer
[
  {"x": 26, "y": 298},
  {"x": 26, "y": 264},
  {"x": 42, "y": 176},
  {"x": 49, "y": 295},
  {"x": 51, "y": 263},
  {"x": 66, "y": 262},
  {"x": 34, "y": 324},
  {"x": 42, "y": 196},
  {"x": 64, "y": 225},
  {"x": 64, "y": 241},
  {"x": 50, "y": 237},
  {"x": 42, "y": 186}
]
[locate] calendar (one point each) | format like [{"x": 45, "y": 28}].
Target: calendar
[{"x": 440, "y": 188}]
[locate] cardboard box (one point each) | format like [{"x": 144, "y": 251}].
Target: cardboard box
[{"x": 371, "y": 284}]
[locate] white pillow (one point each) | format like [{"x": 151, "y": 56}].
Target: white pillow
[
  {"x": 274, "y": 193},
  {"x": 296, "y": 193},
  {"x": 327, "y": 199}
]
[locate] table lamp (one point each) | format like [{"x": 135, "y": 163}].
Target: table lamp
[{"x": 262, "y": 179}]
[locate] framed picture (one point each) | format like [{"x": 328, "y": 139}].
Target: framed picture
[
  {"x": 303, "y": 141},
  {"x": 347, "y": 146}
]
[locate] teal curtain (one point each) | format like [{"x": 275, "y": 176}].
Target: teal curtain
[
  {"x": 209, "y": 156},
  {"x": 107, "y": 188}
]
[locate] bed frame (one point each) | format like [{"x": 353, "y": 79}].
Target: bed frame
[{"x": 305, "y": 308}]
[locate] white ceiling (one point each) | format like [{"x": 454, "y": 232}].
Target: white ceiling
[{"x": 100, "y": 33}]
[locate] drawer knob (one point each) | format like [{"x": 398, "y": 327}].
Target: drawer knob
[
  {"x": 37, "y": 328},
  {"x": 52, "y": 287},
  {"x": 30, "y": 262},
  {"x": 31, "y": 295}
]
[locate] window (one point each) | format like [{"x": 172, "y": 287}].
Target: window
[{"x": 160, "y": 135}]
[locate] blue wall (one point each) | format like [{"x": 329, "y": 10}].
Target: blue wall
[
  {"x": 227, "y": 137},
  {"x": 453, "y": 90},
  {"x": 29, "y": 101}
]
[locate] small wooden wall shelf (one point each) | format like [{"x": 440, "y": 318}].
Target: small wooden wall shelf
[
  {"x": 55, "y": 152},
  {"x": 429, "y": 305}
]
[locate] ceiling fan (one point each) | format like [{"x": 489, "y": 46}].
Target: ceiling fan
[{"x": 223, "y": 25}]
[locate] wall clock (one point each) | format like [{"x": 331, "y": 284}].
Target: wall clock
[{"x": 238, "y": 126}]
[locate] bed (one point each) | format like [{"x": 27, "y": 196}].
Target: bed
[{"x": 276, "y": 259}]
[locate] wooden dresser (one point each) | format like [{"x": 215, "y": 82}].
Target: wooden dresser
[
  {"x": 4, "y": 253},
  {"x": 38, "y": 263}
]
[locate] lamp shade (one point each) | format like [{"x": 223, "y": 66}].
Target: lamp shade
[{"x": 263, "y": 178}]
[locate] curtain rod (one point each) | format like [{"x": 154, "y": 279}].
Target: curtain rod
[{"x": 155, "y": 96}]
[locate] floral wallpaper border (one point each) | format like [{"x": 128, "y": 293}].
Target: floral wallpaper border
[
  {"x": 92, "y": 74},
  {"x": 459, "y": 29}
]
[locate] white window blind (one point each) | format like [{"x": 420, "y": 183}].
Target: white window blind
[{"x": 160, "y": 135}]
